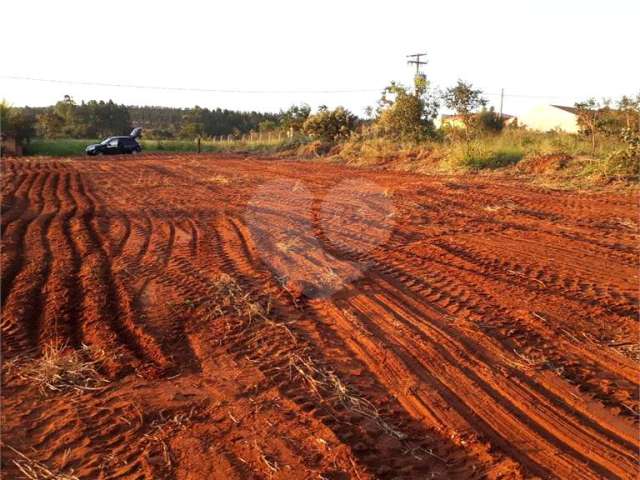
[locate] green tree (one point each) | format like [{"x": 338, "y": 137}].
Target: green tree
[
  {"x": 267, "y": 126},
  {"x": 406, "y": 115},
  {"x": 66, "y": 109},
  {"x": 293, "y": 119},
  {"x": 330, "y": 125},
  {"x": 50, "y": 124},
  {"x": 193, "y": 123},
  {"x": 629, "y": 107},
  {"x": 488, "y": 121},
  {"x": 592, "y": 118},
  {"x": 465, "y": 101},
  {"x": 16, "y": 122}
]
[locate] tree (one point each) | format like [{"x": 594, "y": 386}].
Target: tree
[
  {"x": 406, "y": 115},
  {"x": 16, "y": 122},
  {"x": 592, "y": 117},
  {"x": 629, "y": 107},
  {"x": 293, "y": 119},
  {"x": 330, "y": 125},
  {"x": 50, "y": 124},
  {"x": 193, "y": 123},
  {"x": 488, "y": 121},
  {"x": 465, "y": 101},
  {"x": 267, "y": 126}
]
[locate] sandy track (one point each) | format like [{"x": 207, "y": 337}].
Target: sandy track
[{"x": 382, "y": 325}]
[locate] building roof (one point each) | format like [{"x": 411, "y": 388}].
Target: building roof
[
  {"x": 567, "y": 109},
  {"x": 455, "y": 116}
]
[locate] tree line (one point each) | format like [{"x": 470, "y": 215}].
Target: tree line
[
  {"x": 99, "y": 119},
  {"x": 402, "y": 114}
]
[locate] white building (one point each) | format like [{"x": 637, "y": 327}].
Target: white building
[{"x": 550, "y": 117}]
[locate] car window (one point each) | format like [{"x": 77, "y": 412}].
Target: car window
[
  {"x": 106, "y": 141},
  {"x": 113, "y": 143}
]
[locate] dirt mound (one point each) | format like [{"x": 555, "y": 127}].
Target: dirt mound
[
  {"x": 225, "y": 317},
  {"x": 545, "y": 163}
]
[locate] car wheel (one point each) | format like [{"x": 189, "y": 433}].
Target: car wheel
[{"x": 134, "y": 152}]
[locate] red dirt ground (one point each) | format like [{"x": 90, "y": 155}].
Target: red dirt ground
[{"x": 374, "y": 324}]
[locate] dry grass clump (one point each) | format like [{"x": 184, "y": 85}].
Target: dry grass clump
[
  {"x": 226, "y": 296},
  {"x": 289, "y": 245},
  {"x": 34, "y": 470},
  {"x": 219, "y": 179},
  {"x": 320, "y": 380},
  {"x": 162, "y": 428},
  {"x": 63, "y": 369}
]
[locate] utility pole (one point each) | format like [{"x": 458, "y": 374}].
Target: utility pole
[
  {"x": 501, "y": 100},
  {"x": 420, "y": 80},
  {"x": 416, "y": 60}
]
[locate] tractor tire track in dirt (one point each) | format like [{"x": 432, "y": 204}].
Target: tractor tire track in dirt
[{"x": 268, "y": 319}]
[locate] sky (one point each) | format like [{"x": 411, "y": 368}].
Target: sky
[{"x": 266, "y": 56}]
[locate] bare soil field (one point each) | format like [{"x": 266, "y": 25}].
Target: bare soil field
[{"x": 224, "y": 317}]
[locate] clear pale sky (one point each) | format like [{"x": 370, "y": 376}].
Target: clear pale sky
[{"x": 563, "y": 50}]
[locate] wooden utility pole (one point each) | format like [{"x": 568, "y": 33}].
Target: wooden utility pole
[
  {"x": 416, "y": 60},
  {"x": 501, "y": 100}
]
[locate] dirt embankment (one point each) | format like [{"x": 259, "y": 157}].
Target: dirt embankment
[{"x": 262, "y": 319}]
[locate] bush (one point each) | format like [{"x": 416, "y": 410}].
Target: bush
[
  {"x": 330, "y": 125},
  {"x": 488, "y": 121},
  {"x": 406, "y": 117}
]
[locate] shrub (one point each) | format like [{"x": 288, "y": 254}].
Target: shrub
[
  {"x": 488, "y": 121},
  {"x": 405, "y": 116},
  {"x": 330, "y": 125}
]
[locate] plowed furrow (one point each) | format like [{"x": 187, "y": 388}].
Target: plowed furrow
[
  {"x": 497, "y": 416},
  {"x": 26, "y": 295}
]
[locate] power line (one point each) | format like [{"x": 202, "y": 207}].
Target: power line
[
  {"x": 418, "y": 62},
  {"x": 182, "y": 89}
]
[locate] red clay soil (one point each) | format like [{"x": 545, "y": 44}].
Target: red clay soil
[{"x": 282, "y": 319}]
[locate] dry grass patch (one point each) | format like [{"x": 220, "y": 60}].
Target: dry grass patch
[
  {"x": 289, "y": 245},
  {"x": 320, "y": 380},
  {"x": 62, "y": 369},
  {"x": 34, "y": 470},
  {"x": 219, "y": 179}
]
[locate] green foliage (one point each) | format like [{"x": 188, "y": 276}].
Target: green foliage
[
  {"x": 481, "y": 155},
  {"x": 629, "y": 112},
  {"x": 330, "y": 125},
  {"x": 50, "y": 125},
  {"x": 65, "y": 147},
  {"x": 597, "y": 119},
  {"x": 625, "y": 161},
  {"x": 591, "y": 118},
  {"x": 488, "y": 121},
  {"x": 406, "y": 116},
  {"x": 101, "y": 119},
  {"x": 293, "y": 119},
  {"x": 267, "y": 126},
  {"x": 16, "y": 122},
  {"x": 66, "y": 119},
  {"x": 193, "y": 123},
  {"x": 59, "y": 147},
  {"x": 464, "y": 100}
]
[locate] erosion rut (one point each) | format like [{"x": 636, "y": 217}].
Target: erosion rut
[{"x": 281, "y": 319}]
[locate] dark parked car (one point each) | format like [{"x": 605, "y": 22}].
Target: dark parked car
[{"x": 117, "y": 145}]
